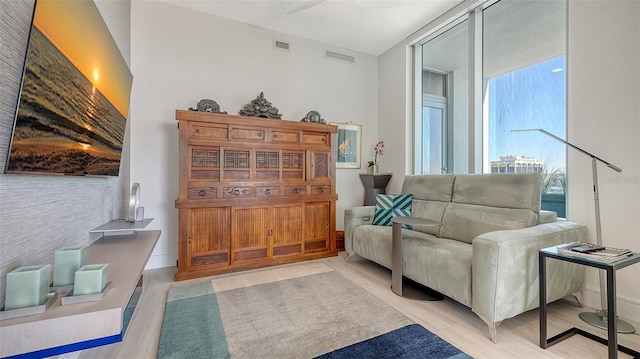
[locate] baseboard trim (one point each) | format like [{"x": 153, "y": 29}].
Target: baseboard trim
[
  {"x": 162, "y": 261},
  {"x": 626, "y": 307}
]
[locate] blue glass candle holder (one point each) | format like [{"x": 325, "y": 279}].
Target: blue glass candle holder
[
  {"x": 27, "y": 287},
  {"x": 91, "y": 279},
  {"x": 65, "y": 264}
]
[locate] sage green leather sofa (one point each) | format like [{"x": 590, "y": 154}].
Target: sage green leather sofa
[{"x": 485, "y": 253}]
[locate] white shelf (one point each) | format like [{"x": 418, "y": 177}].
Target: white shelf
[{"x": 121, "y": 227}]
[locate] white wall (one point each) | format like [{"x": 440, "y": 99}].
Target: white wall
[
  {"x": 180, "y": 56},
  {"x": 603, "y": 117},
  {"x": 394, "y": 108}
]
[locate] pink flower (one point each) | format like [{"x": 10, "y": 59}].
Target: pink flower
[{"x": 378, "y": 149}]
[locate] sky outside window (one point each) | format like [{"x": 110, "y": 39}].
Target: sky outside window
[{"x": 530, "y": 97}]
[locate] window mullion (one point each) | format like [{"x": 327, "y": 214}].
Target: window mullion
[{"x": 475, "y": 92}]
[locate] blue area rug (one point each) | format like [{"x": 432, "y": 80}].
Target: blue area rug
[
  {"x": 410, "y": 342},
  {"x": 318, "y": 315},
  {"x": 191, "y": 328}
]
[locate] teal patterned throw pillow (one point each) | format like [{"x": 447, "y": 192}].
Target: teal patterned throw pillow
[{"x": 391, "y": 205}]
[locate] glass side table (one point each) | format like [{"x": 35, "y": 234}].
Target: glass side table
[{"x": 610, "y": 268}]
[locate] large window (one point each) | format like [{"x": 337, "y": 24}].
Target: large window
[
  {"x": 443, "y": 112},
  {"x": 505, "y": 70}
]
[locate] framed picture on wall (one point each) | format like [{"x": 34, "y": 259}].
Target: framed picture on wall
[{"x": 348, "y": 148}]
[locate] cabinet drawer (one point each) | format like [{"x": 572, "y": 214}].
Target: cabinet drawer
[
  {"x": 285, "y": 136},
  {"x": 295, "y": 191},
  {"x": 248, "y": 133},
  {"x": 203, "y": 130},
  {"x": 216, "y": 259},
  {"x": 320, "y": 189},
  {"x": 202, "y": 193},
  {"x": 316, "y": 138},
  {"x": 236, "y": 192},
  {"x": 267, "y": 191}
]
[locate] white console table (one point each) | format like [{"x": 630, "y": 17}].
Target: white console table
[{"x": 84, "y": 325}]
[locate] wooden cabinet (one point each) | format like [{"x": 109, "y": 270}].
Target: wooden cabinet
[{"x": 253, "y": 192}]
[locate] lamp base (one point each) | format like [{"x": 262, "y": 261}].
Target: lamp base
[{"x": 599, "y": 319}]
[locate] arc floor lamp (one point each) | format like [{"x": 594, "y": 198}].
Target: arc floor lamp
[{"x": 598, "y": 318}]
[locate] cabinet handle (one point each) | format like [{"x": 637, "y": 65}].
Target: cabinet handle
[
  {"x": 236, "y": 192},
  {"x": 189, "y": 240},
  {"x": 275, "y": 135},
  {"x": 267, "y": 191},
  {"x": 202, "y": 193},
  {"x": 197, "y": 130},
  {"x": 259, "y": 134},
  {"x": 321, "y": 189},
  {"x": 296, "y": 190}
]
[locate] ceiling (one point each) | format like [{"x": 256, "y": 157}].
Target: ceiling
[
  {"x": 516, "y": 34},
  {"x": 367, "y": 26}
]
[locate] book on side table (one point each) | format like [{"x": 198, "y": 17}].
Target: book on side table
[{"x": 594, "y": 251}]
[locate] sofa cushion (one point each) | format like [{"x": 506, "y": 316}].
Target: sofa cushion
[
  {"x": 374, "y": 242},
  {"x": 440, "y": 264},
  {"x": 389, "y": 206},
  {"x": 464, "y": 222},
  {"x": 429, "y": 187},
  {"x": 516, "y": 190},
  {"x": 547, "y": 217},
  {"x": 433, "y": 210}
]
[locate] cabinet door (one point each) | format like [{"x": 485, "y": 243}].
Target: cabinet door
[
  {"x": 250, "y": 233},
  {"x": 236, "y": 163},
  {"x": 293, "y": 165},
  {"x": 204, "y": 163},
  {"x": 267, "y": 164},
  {"x": 320, "y": 170},
  {"x": 208, "y": 237},
  {"x": 316, "y": 226},
  {"x": 287, "y": 229}
]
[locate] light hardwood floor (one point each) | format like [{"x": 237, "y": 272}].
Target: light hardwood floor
[{"x": 517, "y": 337}]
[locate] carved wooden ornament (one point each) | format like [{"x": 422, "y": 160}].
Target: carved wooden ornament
[
  {"x": 260, "y": 107},
  {"x": 313, "y": 116},
  {"x": 206, "y": 105}
]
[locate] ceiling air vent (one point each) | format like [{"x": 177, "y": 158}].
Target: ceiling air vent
[
  {"x": 340, "y": 57},
  {"x": 281, "y": 45}
]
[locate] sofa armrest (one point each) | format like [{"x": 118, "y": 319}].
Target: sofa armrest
[
  {"x": 354, "y": 217},
  {"x": 505, "y": 269}
]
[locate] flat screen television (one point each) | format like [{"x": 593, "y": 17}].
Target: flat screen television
[{"x": 74, "y": 99}]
